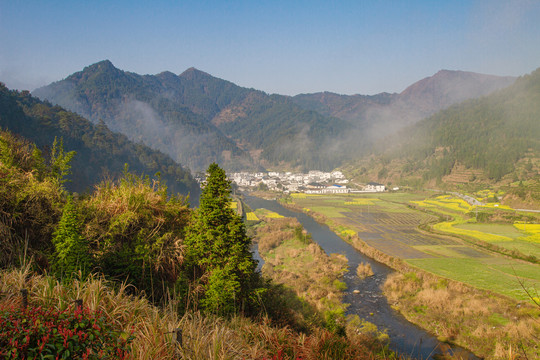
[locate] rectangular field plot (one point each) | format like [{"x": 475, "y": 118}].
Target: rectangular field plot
[
  {"x": 453, "y": 251},
  {"x": 370, "y": 236},
  {"x": 416, "y": 239},
  {"x": 507, "y": 230},
  {"x": 470, "y": 252},
  {"x": 523, "y": 246},
  {"x": 481, "y": 274},
  {"x": 363, "y": 218},
  {"x": 396, "y": 248},
  {"x": 330, "y": 211}
]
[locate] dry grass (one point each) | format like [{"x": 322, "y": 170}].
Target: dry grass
[
  {"x": 491, "y": 326},
  {"x": 364, "y": 270},
  {"x": 303, "y": 266},
  {"x": 202, "y": 337}
]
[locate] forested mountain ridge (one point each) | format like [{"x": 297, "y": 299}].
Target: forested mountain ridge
[
  {"x": 496, "y": 137},
  {"x": 285, "y": 132},
  {"x": 198, "y": 119},
  {"x": 144, "y": 108},
  {"x": 372, "y": 113},
  {"x": 100, "y": 152}
]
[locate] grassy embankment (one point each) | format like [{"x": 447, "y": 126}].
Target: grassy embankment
[
  {"x": 489, "y": 324},
  {"x": 294, "y": 260}
]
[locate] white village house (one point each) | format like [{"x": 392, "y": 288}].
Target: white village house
[{"x": 374, "y": 187}]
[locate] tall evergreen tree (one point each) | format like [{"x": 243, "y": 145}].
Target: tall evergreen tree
[
  {"x": 71, "y": 248},
  {"x": 218, "y": 249}
]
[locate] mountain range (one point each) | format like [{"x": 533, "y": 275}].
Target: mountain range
[{"x": 197, "y": 118}]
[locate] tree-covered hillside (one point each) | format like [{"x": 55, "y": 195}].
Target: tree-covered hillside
[
  {"x": 496, "y": 137},
  {"x": 100, "y": 153},
  {"x": 198, "y": 119},
  {"x": 491, "y": 133}
]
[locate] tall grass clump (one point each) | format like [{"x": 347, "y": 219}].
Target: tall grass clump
[
  {"x": 364, "y": 270},
  {"x": 136, "y": 232},
  {"x": 31, "y": 201}
]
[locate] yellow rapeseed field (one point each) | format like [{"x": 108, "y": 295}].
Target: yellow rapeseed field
[
  {"x": 447, "y": 202},
  {"x": 532, "y": 230},
  {"x": 348, "y": 232},
  {"x": 251, "y": 216},
  {"x": 273, "y": 215},
  {"x": 497, "y": 206}
]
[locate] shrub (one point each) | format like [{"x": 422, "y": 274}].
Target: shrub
[
  {"x": 136, "y": 232},
  {"x": 39, "y": 333}
]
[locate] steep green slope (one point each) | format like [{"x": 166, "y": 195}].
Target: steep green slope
[
  {"x": 100, "y": 152},
  {"x": 494, "y": 138},
  {"x": 491, "y": 133}
]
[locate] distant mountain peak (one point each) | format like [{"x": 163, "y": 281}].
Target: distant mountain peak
[
  {"x": 462, "y": 84},
  {"x": 194, "y": 73},
  {"x": 104, "y": 65},
  {"x": 166, "y": 75}
]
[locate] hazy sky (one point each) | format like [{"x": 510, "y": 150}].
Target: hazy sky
[{"x": 286, "y": 47}]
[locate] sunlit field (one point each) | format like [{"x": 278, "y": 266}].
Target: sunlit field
[{"x": 390, "y": 223}]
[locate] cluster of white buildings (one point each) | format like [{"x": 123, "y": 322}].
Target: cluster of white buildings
[{"x": 314, "y": 182}]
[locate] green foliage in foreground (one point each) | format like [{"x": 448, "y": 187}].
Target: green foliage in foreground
[
  {"x": 30, "y": 202},
  {"x": 133, "y": 233},
  {"x": 136, "y": 232}
]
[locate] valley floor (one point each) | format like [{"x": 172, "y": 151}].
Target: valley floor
[
  {"x": 470, "y": 279},
  {"x": 458, "y": 249}
]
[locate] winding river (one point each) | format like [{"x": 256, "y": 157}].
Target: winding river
[{"x": 370, "y": 304}]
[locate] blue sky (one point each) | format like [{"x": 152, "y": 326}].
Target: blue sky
[{"x": 286, "y": 47}]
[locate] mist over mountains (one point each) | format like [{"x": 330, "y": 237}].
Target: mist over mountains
[
  {"x": 197, "y": 118},
  {"x": 379, "y": 115},
  {"x": 494, "y": 138}
]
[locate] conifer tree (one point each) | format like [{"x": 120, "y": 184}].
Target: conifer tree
[
  {"x": 218, "y": 248},
  {"x": 71, "y": 248},
  {"x": 60, "y": 160}
]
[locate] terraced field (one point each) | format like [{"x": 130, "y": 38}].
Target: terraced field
[{"x": 385, "y": 222}]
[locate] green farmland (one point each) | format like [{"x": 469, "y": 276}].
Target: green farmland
[{"x": 390, "y": 223}]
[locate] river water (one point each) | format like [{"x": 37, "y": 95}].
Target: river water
[{"x": 370, "y": 304}]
